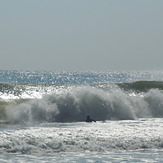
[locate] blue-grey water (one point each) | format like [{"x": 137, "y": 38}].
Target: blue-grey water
[{"x": 42, "y": 116}]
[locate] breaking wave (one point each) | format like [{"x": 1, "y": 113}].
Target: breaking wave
[{"x": 68, "y": 103}]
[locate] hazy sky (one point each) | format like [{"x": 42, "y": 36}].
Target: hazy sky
[{"x": 81, "y": 35}]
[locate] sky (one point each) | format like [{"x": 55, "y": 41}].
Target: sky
[{"x": 81, "y": 35}]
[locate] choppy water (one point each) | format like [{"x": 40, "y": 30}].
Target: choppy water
[{"x": 42, "y": 116}]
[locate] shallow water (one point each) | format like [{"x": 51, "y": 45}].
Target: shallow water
[{"x": 109, "y": 157}]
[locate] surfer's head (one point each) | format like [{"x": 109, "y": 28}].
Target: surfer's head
[{"x": 88, "y": 117}]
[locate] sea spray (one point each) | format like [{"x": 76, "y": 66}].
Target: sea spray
[
  {"x": 154, "y": 100},
  {"x": 78, "y": 102}
]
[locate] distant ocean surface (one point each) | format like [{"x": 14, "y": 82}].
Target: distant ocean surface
[{"x": 42, "y": 116}]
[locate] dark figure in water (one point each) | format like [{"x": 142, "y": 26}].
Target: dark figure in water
[{"x": 88, "y": 119}]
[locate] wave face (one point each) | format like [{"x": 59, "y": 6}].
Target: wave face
[
  {"x": 140, "y": 86},
  {"x": 69, "y": 103}
]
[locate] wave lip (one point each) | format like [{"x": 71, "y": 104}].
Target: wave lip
[{"x": 22, "y": 91}]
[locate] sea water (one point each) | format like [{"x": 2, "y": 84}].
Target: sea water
[{"x": 42, "y": 116}]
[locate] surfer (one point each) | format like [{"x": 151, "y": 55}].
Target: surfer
[{"x": 88, "y": 119}]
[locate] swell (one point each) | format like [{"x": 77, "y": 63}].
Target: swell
[{"x": 141, "y": 85}]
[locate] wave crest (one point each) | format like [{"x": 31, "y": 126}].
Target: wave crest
[{"x": 80, "y": 101}]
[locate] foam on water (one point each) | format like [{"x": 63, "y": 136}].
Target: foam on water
[
  {"x": 81, "y": 137},
  {"x": 150, "y": 156}
]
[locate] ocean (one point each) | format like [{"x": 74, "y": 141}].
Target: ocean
[{"x": 43, "y": 113}]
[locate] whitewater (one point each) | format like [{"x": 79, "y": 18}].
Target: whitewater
[{"x": 42, "y": 116}]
